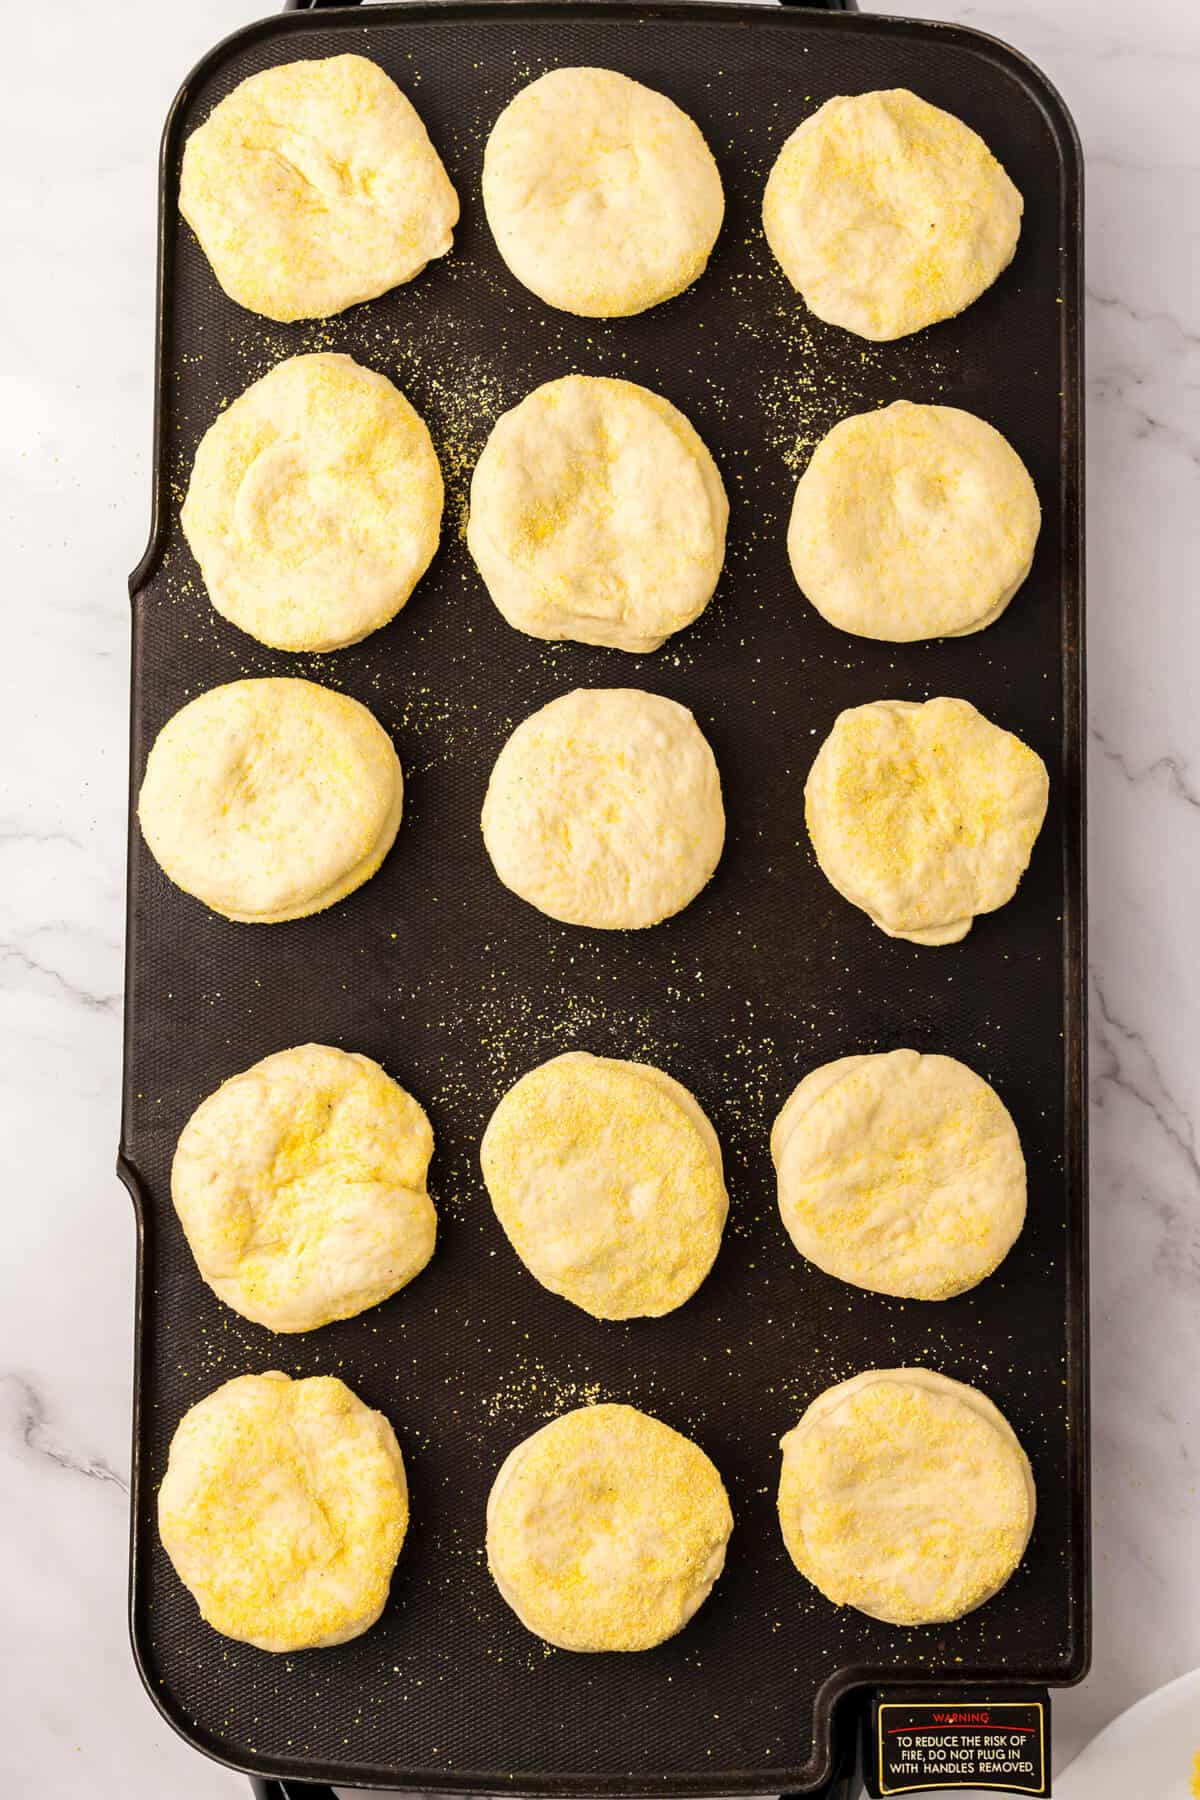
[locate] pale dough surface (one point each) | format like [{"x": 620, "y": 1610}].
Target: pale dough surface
[
  {"x": 314, "y": 505},
  {"x": 604, "y": 809},
  {"x": 313, "y": 186},
  {"x": 283, "y": 1510},
  {"x": 888, "y": 214},
  {"x": 606, "y": 1530},
  {"x": 924, "y": 815},
  {"x": 906, "y": 1495},
  {"x": 597, "y": 514},
  {"x": 300, "y": 1185},
  {"x": 602, "y": 196},
  {"x": 270, "y": 799},
  {"x": 900, "y": 1173},
  {"x": 606, "y": 1177},
  {"x": 913, "y": 522}
]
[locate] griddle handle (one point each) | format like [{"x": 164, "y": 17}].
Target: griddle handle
[{"x": 273, "y": 1789}]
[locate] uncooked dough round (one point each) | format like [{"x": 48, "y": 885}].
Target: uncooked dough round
[
  {"x": 604, "y": 809},
  {"x": 283, "y": 1510},
  {"x": 607, "y": 1178},
  {"x": 906, "y": 1495},
  {"x": 315, "y": 504},
  {"x": 597, "y": 514},
  {"x": 271, "y": 799},
  {"x": 924, "y": 815},
  {"x": 314, "y": 185},
  {"x": 602, "y": 196},
  {"x": 888, "y": 214},
  {"x": 913, "y": 522},
  {"x": 900, "y": 1173},
  {"x": 300, "y": 1186},
  {"x": 606, "y": 1530}
]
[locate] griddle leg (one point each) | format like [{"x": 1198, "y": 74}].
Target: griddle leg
[{"x": 290, "y": 1790}]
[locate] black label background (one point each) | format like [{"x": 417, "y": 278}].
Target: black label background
[{"x": 901, "y": 1728}]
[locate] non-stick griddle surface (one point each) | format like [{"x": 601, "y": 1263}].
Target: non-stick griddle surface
[{"x": 457, "y": 987}]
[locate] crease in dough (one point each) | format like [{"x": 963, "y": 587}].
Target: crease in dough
[{"x": 314, "y": 186}]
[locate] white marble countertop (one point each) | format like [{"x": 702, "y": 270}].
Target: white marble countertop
[{"x": 87, "y": 89}]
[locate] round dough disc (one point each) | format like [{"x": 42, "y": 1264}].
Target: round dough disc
[
  {"x": 597, "y": 514},
  {"x": 607, "y": 1179},
  {"x": 300, "y": 1186},
  {"x": 283, "y": 1510},
  {"x": 314, "y": 185},
  {"x": 913, "y": 522},
  {"x": 604, "y": 809},
  {"x": 602, "y": 196},
  {"x": 924, "y": 815},
  {"x": 906, "y": 1495},
  {"x": 271, "y": 799},
  {"x": 900, "y": 1173},
  {"x": 606, "y": 1530},
  {"x": 888, "y": 214},
  {"x": 314, "y": 505}
]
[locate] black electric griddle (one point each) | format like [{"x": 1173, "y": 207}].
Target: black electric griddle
[{"x": 458, "y": 987}]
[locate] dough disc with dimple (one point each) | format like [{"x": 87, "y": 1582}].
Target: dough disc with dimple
[
  {"x": 300, "y": 1185},
  {"x": 283, "y": 1510},
  {"x": 906, "y": 1495},
  {"x": 604, "y": 809},
  {"x": 900, "y": 1173},
  {"x": 602, "y": 196},
  {"x": 597, "y": 514},
  {"x": 913, "y": 522},
  {"x": 606, "y": 1530},
  {"x": 607, "y": 1179},
  {"x": 314, "y": 505},
  {"x": 924, "y": 815},
  {"x": 888, "y": 214},
  {"x": 270, "y": 799},
  {"x": 313, "y": 186}
]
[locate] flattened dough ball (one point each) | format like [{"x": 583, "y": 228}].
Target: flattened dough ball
[
  {"x": 597, "y": 514},
  {"x": 314, "y": 185},
  {"x": 606, "y": 1530},
  {"x": 283, "y": 1510},
  {"x": 602, "y": 196},
  {"x": 900, "y": 1173},
  {"x": 607, "y": 1179},
  {"x": 924, "y": 815},
  {"x": 271, "y": 799},
  {"x": 906, "y": 1495},
  {"x": 314, "y": 505},
  {"x": 300, "y": 1186},
  {"x": 913, "y": 522},
  {"x": 604, "y": 809},
  {"x": 888, "y": 214}
]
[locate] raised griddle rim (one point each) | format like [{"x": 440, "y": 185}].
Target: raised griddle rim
[{"x": 845, "y": 1682}]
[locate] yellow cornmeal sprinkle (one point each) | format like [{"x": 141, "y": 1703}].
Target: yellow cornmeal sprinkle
[
  {"x": 905, "y": 1503},
  {"x": 283, "y": 1510},
  {"x": 888, "y": 1194},
  {"x": 605, "y": 1528},
  {"x": 605, "y": 1187},
  {"x": 290, "y": 1162},
  {"x": 889, "y": 163},
  {"x": 924, "y": 816},
  {"x": 314, "y": 185}
]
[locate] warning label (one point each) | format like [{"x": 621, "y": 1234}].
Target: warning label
[{"x": 920, "y": 1746}]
